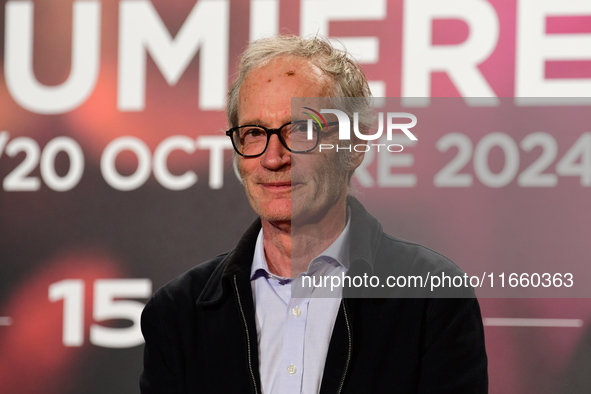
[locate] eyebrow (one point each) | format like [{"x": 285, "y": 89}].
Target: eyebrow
[
  {"x": 258, "y": 122},
  {"x": 250, "y": 122}
]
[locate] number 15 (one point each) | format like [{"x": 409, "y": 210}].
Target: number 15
[{"x": 106, "y": 306}]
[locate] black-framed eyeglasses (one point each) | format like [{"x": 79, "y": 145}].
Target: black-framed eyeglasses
[{"x": 297, "y": 137}]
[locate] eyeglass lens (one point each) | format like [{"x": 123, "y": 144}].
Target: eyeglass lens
[{"x": 252, "y": 140}]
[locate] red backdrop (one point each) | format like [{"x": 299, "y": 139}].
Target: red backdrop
[{"x": 116, "y": 177}]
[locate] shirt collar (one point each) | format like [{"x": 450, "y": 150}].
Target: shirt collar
[{"x": 339, "y": 249}]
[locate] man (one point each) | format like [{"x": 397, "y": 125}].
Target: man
[{"x": 233, "y": 325}]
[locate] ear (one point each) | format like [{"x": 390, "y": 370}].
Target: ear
[{"x": 356, "y": 157}]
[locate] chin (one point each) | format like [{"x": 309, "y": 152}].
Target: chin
[
  {"x": 275, "y": 216},
  {"x": 274, "y": 211}
]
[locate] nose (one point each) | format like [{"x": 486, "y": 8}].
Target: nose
[{"x": 276, "y": 155}]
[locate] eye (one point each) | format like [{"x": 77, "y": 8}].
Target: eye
[
  {"x": 302, "y": 127},
  {"x": 252, "y": 132},
  {"x": 299, "y": 127}
]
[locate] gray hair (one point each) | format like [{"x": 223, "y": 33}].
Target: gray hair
[
  {"x": 346, "y": 75},
  {"x": 348, "y": 81}
]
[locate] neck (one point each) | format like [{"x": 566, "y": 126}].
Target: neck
[{"x": 291, "y": 245}]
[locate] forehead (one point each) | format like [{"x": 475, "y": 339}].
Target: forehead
[{"x": 265, "y": 96}]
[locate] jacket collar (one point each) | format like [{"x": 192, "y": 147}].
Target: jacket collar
[
  {"x": 365, "y": 235},
  {"x": 236, "y": 263},
  {"x": 364, "y": 238}
]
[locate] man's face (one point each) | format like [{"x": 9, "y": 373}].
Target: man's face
[{"x": 282, "y": 186}]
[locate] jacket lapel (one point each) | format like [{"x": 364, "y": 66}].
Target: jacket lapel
[{"x": 231, "y": 278}]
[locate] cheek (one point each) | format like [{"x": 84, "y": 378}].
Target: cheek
[
  {"x": 330, "y": 177},
  {"x": 244, "y": 167}
]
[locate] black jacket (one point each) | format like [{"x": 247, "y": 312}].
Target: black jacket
[{"x": 201, "y": 336}]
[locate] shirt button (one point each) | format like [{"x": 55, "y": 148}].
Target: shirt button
[
  {"x": 292, "y": 369},
  {"x": 296, "y": 312}
]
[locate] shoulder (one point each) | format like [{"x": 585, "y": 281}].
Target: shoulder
[
  {"x": 414, "y": 257},
  {"x": 418, "y": 271},
  {"x": 187, "y": 287}
]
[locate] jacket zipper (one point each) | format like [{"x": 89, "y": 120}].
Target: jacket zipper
[
  {"x": 349, "y": 348},
  {"x": 254, "y": 383}
]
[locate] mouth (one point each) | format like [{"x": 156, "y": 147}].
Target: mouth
[{"x": 277, "y": 185}]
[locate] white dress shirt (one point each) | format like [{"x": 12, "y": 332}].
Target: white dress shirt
[{"x": 294, "y": 333}]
